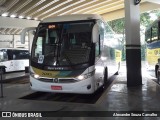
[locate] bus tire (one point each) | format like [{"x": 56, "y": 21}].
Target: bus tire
[
  {"x": 3, "y": 71},
  {"x": 117, "y": 73},
  {"x": 105, "y": 77},
  {"x": 156, "y": 71},
  {"x": 158, "y": 77}
]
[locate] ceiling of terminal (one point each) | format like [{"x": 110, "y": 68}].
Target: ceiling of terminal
[{"x": 40, "y": 9}]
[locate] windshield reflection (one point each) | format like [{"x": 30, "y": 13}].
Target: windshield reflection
[{"x": 62, "y": 44}]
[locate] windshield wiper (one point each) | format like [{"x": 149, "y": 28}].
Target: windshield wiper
[{"x": 68, "y": 60}]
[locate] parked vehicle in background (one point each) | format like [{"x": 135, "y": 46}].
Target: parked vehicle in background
[
  {"x": 14, "y": 59},
  {"x": 152, "y": 38}
]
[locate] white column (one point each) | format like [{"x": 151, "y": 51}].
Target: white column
[{"x": 133, "y": 47}]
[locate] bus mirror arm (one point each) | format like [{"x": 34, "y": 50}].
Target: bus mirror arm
[
  {"x": 95, "y": 33},
  {"x": 24, "y": 31}
]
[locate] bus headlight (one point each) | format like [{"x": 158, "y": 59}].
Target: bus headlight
[
  {"x": 36, "y": 76},
  {"x": 85, "y": 76},
  {"x": 81, "y": 77}
]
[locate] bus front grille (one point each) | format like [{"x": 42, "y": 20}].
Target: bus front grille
[{"x": 61, "y": 80}]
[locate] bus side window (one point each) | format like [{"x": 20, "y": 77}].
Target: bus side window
[
  {"x": 159, "y": 30},
  {"x": 155, "y": 32},
  {"x": 23, "y": 54},
  {"x": 10, "y": 54},
  {"x": 38, "y": 48},
  {"x": 5, "y": 55},
  {"x": 15, "y": 55},
  {"x": 148, "y": 36},
  {"x": 97, "y": 49}
]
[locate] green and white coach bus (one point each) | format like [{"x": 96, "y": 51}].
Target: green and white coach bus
[{"x": 73, "y": 54}]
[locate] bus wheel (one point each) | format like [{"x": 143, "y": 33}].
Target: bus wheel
[
  {"x": 105, "y": 77},
  {"x": 117, "y": 73},
  {"x": 3, "y": 71},
  {"x": 156, "y": 71},
  {"x": 158, "y": 77}
]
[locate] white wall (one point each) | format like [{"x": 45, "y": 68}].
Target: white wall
[{"x": 12, "y": 41}]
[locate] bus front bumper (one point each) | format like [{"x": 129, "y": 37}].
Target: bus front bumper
[{"x": 81, "y": 87}]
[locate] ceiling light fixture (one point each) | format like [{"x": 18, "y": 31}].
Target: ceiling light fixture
[
  {"x": 13, "y": 16},
  {"x": 28, "y": 18},
  {"x": 5, "y": 14},
  {"x": 35, "y": 18},
  {"x": 21, "y": 16}
]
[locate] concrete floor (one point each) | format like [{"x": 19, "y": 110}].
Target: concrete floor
[
  {"x": 118, "y": 97},
  {"x": 13, "y": 75}
]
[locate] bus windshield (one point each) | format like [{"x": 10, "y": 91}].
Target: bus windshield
[
  {"x": 3, "y": 55},
  {"x": 62, "y": 44}
]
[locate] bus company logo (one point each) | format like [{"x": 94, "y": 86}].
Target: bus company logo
[
  {"x": 55, "y": 68},
  {"x": 55, "y": 80}
]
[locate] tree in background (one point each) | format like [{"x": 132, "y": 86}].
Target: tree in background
[
  {"x": 145, "y": 20},
  {"x": 118, "y": 28}
]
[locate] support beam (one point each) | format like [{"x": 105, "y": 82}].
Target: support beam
[
  {"x": 145, "y": 6},
  {"x": 7, "y": 22},
  {"x": 154, "y": 1},
  {"x": 133, "y": 47}
]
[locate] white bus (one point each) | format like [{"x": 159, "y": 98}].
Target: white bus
[
  {"x": 14, "y": 59},
  {"x": 73, "y": 54}
]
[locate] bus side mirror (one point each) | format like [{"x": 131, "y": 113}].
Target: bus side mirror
[
  {"x": 24, "y": 31},
  {"x": 95, "y": 33}
]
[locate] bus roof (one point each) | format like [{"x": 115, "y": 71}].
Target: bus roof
[{"x": 73, "y": 17}]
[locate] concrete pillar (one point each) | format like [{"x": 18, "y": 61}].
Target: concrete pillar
[{"x": 133, "y": 47}]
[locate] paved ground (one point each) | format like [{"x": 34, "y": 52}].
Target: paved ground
[{"x": 116, "y": 98}]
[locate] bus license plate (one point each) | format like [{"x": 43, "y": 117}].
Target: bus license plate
[{"x": 56, "y": 87}]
